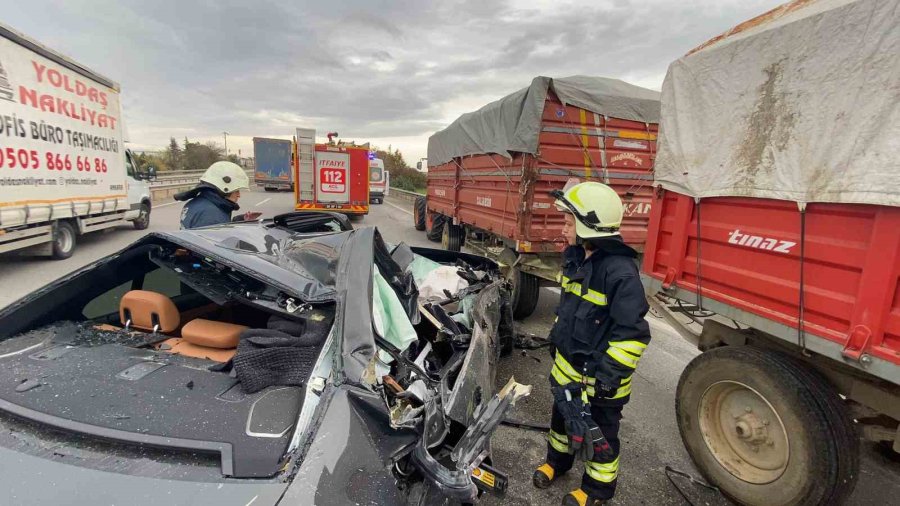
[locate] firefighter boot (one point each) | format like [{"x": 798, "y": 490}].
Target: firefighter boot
[
  {"x": 543, "y": 476},
  {"x": 579, "y": 497}
]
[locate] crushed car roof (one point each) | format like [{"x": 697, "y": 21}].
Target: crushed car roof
[{"x": 300, "y": 264}]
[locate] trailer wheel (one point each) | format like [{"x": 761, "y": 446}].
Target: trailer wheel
[
  {"x": 525, "y": 294},
  {"x": 64, "y": 240},
  {"x": 451, "y": 237},
  {"x": 756, "y": 428},
  {"x": 434, "y": 226},
  {"x": 143, "y": 219},
  {"x": 843, "y": 431},
  {"x": 419, "y": 213}
]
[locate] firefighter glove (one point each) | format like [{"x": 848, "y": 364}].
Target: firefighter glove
[
  {"x": 596, "y": 444},
  {"x": 571, "y": 406}
]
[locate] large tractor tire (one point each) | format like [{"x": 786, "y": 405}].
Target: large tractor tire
[
  {"x": 766, "y": 429},
  {"x": 452, "y": 236},
  {"x": 525, "y": 293},
  {"x": 434, "y": 226},
  {"x": 419, "y": 213}
]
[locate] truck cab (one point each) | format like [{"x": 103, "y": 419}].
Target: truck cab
[{"x": 138, "y": 189}]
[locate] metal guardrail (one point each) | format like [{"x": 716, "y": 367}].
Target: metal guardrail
[
  {"x": 181, "y": 176},
  {"x": 405, "y": 194},
  {"x": 168, "y": 183}
]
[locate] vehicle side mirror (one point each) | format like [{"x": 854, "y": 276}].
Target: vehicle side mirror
[
  {"x": 151, "y": 173},
  {"x": 419, "y": 166}
]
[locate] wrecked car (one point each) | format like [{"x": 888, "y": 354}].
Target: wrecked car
[{"x": 293, "y": 361}]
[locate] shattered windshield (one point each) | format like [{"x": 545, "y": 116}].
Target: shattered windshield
[{"x": 302, "y": 263}]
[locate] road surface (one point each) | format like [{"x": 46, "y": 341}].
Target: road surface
[{"x": 650, "y": 439}]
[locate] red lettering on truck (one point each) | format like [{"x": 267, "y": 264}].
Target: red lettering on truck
[{"x": 59, "y": 80}]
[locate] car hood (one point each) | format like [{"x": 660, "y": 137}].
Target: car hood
[{"x": 28, "y": 480}]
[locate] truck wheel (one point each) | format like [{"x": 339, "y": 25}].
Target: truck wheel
[
  {"x": 434, "y": 226},
  {"x": 143, "y": 219},
  {"x": 63, "y": 240},
  {"x": 451, "y": 237},
  {"x": 764, "y": 430},
  {"x": 419, "y": 213},
  {"x": 525, "y": 294}
]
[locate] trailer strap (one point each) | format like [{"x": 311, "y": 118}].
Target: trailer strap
[
  {"x": 699, "y": 277},
  {"x": 801, "y": 334}
]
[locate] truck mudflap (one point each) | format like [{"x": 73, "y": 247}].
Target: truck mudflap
[{"x": 456, "y": 476}]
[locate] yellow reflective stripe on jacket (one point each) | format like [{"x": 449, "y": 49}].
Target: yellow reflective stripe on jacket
[
  {"x": 622, "y": 391},
  {"x": 592, "y": 296},
  {"x": 570, "y": 371},
  {"x": 558, "y": 442},
  {"x": 563, "y": 379},
  {"x": 636, "y": 348},
  {"x": 602, "y": 472},
  {"x": 622, "y": 357},
  {"x": 564, "y": 373}
]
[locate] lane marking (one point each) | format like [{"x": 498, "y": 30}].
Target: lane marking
[
  {"x": 263, "y": 202},
  {"x": 157, "y": 206},
  {"x": 398, "y": 208}
]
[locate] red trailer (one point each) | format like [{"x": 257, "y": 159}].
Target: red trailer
[
  {"x": 330, "y": 177},
  {"x": 774, "y": 245},
  {"x": 491, "y": 171}
]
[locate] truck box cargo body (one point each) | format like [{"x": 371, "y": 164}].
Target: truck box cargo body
[
  {"x": 492, "y": 170},
  {"x": 748, "y": 257},
  {"x": 64, "y": 169},
  {"x": 273, "y": 164},
  {"x": 511, "y": 197},
  {"x": 774, "y": 246},
  {"x": 330, "y": 177}
]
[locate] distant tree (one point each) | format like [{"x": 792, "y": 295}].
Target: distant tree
[
  {"x": 197, "y": 156},
  {"x": 402, "y": 175},
  {"x": 145, "y": 160},
  {"x": 173, "y": 154}
]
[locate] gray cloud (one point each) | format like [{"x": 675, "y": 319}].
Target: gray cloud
[{"x": 369, "y": 69}]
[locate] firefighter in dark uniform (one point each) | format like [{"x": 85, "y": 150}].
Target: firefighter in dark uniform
[
  {"x": 599, "y": 336},
  {"x": 216, "y": 197}
]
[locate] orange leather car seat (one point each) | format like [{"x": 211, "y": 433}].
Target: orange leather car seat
[
  {"x": 149, "y": 311},
  {"x": 207, "y": 339}
]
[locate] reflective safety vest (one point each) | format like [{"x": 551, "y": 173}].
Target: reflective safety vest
[{"x": 600, "y": 331}]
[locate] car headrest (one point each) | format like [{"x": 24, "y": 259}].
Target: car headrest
[{"x": 147, "y": 310}]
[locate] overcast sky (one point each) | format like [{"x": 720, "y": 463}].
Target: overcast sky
[{"x": 387, "y": 72}]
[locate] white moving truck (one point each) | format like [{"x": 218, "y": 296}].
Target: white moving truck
[{"x": 64, "y": 169}]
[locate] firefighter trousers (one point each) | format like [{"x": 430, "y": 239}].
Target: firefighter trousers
[{"x": 600, "y": 476}]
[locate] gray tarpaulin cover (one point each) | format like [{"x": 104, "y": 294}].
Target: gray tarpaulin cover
[
  {"x": 513, "y": 123},
  {"x": 803, "y": 106}
]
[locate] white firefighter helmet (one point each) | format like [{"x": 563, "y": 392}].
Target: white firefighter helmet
[
  {"x": 597, "y": 208},
  {"x": 228, "y": 177}
]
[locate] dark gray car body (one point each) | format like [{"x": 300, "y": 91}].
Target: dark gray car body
[{"x": 344, "y": 446}]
